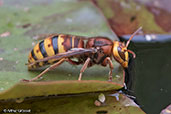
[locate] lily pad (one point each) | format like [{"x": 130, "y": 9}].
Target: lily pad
[
  {"x": 23, "y": 20},
  {"x": 23, "y": 90},
  {"x": 74, "y": 104}
]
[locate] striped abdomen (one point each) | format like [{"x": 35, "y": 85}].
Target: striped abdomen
[{"x": 53, "y": 45}]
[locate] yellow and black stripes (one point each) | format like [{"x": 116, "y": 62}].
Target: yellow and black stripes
[
  {"x": 55, "y": 44},
  {"x": 42, "y": 49},
  {"x": 52, "y": 46},
  {"x": 33, "y": 56}
]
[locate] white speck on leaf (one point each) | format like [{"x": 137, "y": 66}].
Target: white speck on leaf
[
  {"x": 97, "y": 103},
  {"x": 1, "y": 89},
  {"x": 16, "y": 62},
  {"x": 15, "y": 49},
  {"x": 1, "y": 59},
  {"x": 101, "y": 98},
  {"x": 5, "y": 34},
  {"x": 68, "y": 20}
]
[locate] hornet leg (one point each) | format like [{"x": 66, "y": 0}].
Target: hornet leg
[
  {"x": 111, "y": 67},
  {"x": 46, "y": 70},
  {"x": 83, "y": 68}
]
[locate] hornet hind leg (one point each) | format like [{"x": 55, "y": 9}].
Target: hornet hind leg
[{"x": 46, "y": 70}]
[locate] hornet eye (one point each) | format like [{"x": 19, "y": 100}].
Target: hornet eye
[{"x": 121, "y": 53}]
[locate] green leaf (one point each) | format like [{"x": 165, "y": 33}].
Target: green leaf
[
  {"x": 23, "y": 90},
  {"x": 74, "y": 104},
  {"x": 23, "y": 20}
]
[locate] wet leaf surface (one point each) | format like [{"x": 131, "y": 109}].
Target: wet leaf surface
[
  {"x": 25, "y": 19},
  {"x": 74, "y": 104}
]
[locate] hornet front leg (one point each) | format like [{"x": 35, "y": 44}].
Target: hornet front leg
[{"x": 109, "y": 61}]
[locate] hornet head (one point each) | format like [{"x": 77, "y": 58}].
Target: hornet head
[{"x": 120, "y": 51}]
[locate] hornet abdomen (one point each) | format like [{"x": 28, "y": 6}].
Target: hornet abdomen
[{"x": 51, "y": 46}]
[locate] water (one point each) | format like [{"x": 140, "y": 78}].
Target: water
[{"x": 150, "y": 72}]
